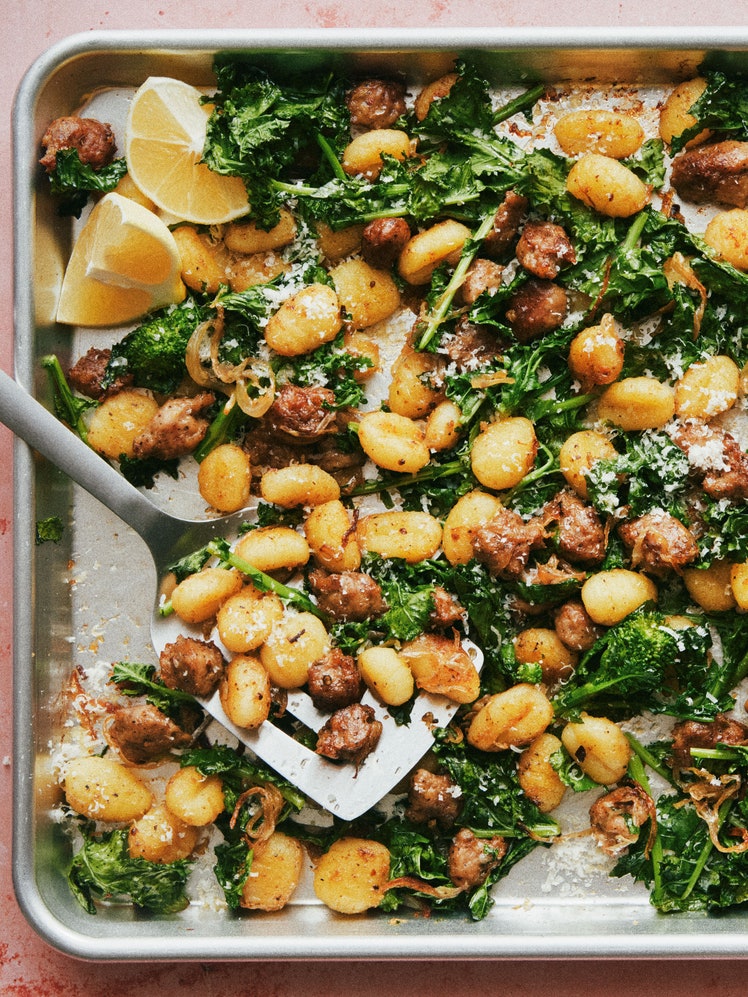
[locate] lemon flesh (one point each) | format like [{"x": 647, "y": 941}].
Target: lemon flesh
[
  {"x": 124, "y": 264},
  {"x": 164, "y": 141}
]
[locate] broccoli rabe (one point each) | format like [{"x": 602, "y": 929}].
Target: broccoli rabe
[
  {"x": 645, "y": 662},
  {"x": 68, "y": 407},
  {"x": 154, "y": 353},
  {"x": 103, "y": 870},
  {"x": 73, "y": 181}
]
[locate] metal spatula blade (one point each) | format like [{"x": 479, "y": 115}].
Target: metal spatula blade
[{"x": 342, "y": 789}]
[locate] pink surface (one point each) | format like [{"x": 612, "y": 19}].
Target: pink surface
[{"x": 27, "y": 965}]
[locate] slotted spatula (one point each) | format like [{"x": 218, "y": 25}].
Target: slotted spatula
[{"x": 341, "y": 789}]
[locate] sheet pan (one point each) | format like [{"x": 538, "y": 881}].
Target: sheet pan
[{"x": 88, "y": 597}]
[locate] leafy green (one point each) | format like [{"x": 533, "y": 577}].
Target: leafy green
[
  {"x": 722, "y": 107},
  {"x": 652, "y": 472},
  {"x": 643, "y": 663},
  {"x": 570, "y": 773},
  {"x": 691, "y": 875},
  {"x": 332, "y": 366},
  {"x": 73, "y": 181},
  {"x": 141, "y": 471},
  {"x": 232, "y": 869},
  {"x": 225, "y": 427},
  {"x": 135, "y": 679},
  {"x": 48, "y": 530},
  {"x": 153, "y": 353},
  {"x": 239, "y": 770},
  {"x": 102, "y": 870},
  {"x": 260, "y": 131}
]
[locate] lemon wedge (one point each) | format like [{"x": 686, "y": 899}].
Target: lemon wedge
[
  {"x": 124, "y": 263},
  {"x": 164, "y": 140}
]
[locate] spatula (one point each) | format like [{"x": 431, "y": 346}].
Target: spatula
[{"x": 340, "y": 788}]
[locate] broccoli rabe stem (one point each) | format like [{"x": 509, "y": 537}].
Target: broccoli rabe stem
[
  {"x": 223, "y": 428},
  {"x": 725, "y": 682},
  {"x": 634, "y": 233},
  {"x": 264, "y": 582},
  {"x": 706, "y": 851},
  {"x": 68, "y": 407},
  {"x": 441, "y": 309},
  {"x": 430, "y": 473},
  {"x": 522, "y": 103},
  {"x": 330, "y": 156},
  {"x": 639, "y": 775},
  {"x": 647, "y": 758}
]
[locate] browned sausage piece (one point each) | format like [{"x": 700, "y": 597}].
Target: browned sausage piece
[
  {"x": 376, "y": 103},
  {"x": 716, "y": 460},
  {"x": 93, "y": 140},
  {"x": 505, "y": 224},
  {"x": 471, "y": 859},
  {"x": 471, "y": 345},
  {"x": 142, "y": 733},
  {"x": 658, "y": 543},
  {"x": 713, "y": 173},
  {"x": 616, "y": 817},
  {"x": 304, "y": 413},
  {"x": 87, "y": 374},
  {"x": 483, "y": 275},
  {"x": 574, "y": 626},
  {"x": 192, "y": 665},
  {"x": 694, "y": 734},
  {"x": 176, "y": 429},
  {"x": 505, "y": 542},
  {"x": 334, "y": 681},
  {"x": 349, "y": 595},
  {"x": 447, "y": 611},
  {"x": 350, "y": 734},
  {"x": 538, "y": 307},
  {"x": 544, "y": 249},
  {"x": 579, "y": 534},
  {"x": 383, "y": 240},
  {"x": 432, "y": 796}
]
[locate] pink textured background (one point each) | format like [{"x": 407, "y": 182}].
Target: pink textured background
[{"x": 27, "y": 965}]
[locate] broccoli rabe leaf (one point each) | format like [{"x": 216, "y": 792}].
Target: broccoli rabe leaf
[
  {"x": 238, "y": 771},
  {"x": 136, "y": 679},
  {"x": 725, "y": 531},
  {"x": 232, "y": 868},
  {"x": 652, "y": 472},
  {"x": 48, "y": 530},
  {"x": 102, "y": 870},
  {"x": 141, "y": 471},
  {"x": 722, "y": 107},
  {"x": 408, "y": 592},
  {"x": 691, "y": 874},
  {"x": 260, "y": 130},
  {"x": 73, "y": 181},
  {"x": 648, "y": 162},
  {"x": 154, "y": 353},
  {"x": 332, "y": 366},
  {"x": 570, "y": 773}
]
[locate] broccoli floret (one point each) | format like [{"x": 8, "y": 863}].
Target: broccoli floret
[
  {"x": 643, "y": 662},
  {"x": 154, "y": 352}
]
